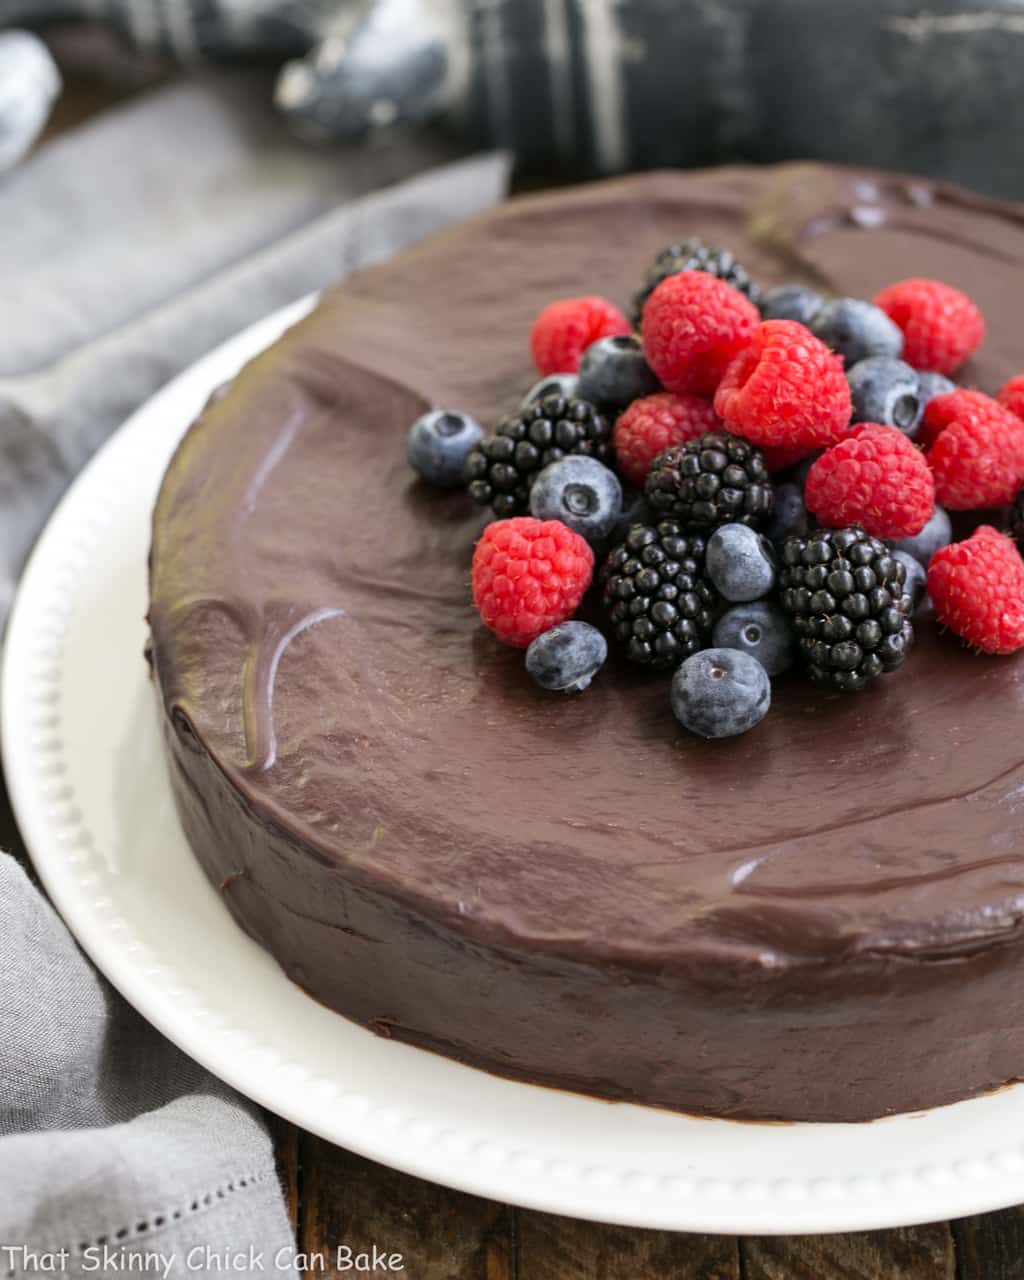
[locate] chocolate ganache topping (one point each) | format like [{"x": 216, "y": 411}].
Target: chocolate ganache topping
[{"x": 823, "y": 919}]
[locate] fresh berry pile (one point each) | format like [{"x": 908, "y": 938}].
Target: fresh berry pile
[{"x": 753, "y": 482}]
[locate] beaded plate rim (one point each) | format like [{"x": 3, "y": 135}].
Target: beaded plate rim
[{"x": 530, "y": 1146}]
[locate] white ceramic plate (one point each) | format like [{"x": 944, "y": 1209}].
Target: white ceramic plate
[{"x": 83, "y": 760}]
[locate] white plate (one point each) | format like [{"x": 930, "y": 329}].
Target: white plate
[{"x": 83, "y": 760}]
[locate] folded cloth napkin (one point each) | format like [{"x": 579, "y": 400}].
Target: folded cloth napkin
[
  {"x": 130, "y": 248},
  {"x": 117, "y": 1152}
]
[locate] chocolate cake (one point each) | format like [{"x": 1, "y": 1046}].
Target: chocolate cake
[{"x": 822, "y": 920}]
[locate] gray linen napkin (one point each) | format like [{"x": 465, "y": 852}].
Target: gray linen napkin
[
  {"x": 117, "y": 1152},
  {"x": 130, "y": 248}
]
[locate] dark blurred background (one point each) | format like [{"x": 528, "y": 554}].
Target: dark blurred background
[{"x": 584, "y": 87}]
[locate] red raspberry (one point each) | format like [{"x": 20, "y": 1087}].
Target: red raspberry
[
  {"x": 528, "y": 576},
  {"x": 787, "y": 388},
  {"x": 977, "y": 450},
  {"x": 874, "y": 477},
  {"x": 1011, "y": 394},
  {"x": 693, "y": 325},
  {"x": 941, "y": 326},
  {"x": 564, "y": 330},
  {"x": 655, "y": 423},
  {"x": 977, "y": 589},
  {"x": 952, "y": 406}
]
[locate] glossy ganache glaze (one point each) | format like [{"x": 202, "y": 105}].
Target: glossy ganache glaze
[{"x": 821, "y": 920}]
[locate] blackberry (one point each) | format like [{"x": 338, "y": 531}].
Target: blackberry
[
  {"x": 714, "y": 479},
  {"x": 694, "y": 255},
  {"x": 501, "y": 470},
  {"x": 657, "y": 594},
  {"x": 847, "y": 596}
]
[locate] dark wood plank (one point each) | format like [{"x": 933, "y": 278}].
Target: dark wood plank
[
  {"x": 990, "y": 1246},
  {"x": 552, "y": 1248},
  {"x": 286, "y": 1151},
  {"x": 441, "y": 1234},
  {"x": 910, "y": 1253}
]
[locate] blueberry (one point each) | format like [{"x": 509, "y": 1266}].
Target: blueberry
[
  {"x": 790, "y": 516},
  {"x": 720, "y": 692},
  {"x": 614, "y": 373},
  {"x": 582, "y": 493},
  {"x": 917, "y": 578},
  {"x": 761, "y": 629},
  {"x": 740, "y": 562},
  {"x": 886, "y": 390},
  {"x": 438, "y": 445},
  {"x": 566, "y": 658},
  {"x": 856, "y": 330},
  {"x": 937, "y": 533},
  {"x": 555, "y": 384},
  {"x": 932, "y": 385},
  {"x": 790, "y": 302}
]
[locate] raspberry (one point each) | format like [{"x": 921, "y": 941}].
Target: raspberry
[
  {"x": 654, "y": 424},
  {"x": 528, "y": 576},
  {"x": 977, "y": 450},
  {"x": 787, "y": 388},
  {"x": 564, "y": 330},
  {"x": 1011, "y": 394},
  {"x": 876, "y": 478},
  {"x": 693, "y": 325},
  {"x": 947, "y": 408},
  {"x": 977, "y": 589},
  {"x": 941, "y": 326}
]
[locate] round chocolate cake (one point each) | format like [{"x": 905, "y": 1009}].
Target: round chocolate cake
[{"x": 822, "y": 920}]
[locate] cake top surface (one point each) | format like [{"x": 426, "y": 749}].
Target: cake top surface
[{"x": 313, "y": 626}]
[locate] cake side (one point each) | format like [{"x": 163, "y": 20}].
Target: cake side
[{"x": 569, "y": 891}]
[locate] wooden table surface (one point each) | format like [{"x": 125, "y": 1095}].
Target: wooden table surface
[{"x": 336, "y": 1198}]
